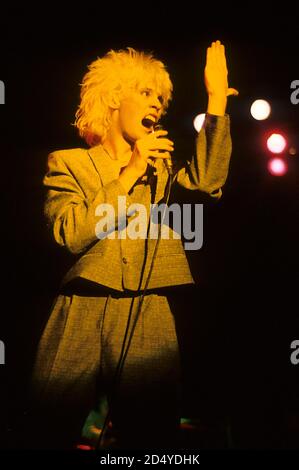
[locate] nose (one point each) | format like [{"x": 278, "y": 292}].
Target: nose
[{"x": 156, "y": 102}]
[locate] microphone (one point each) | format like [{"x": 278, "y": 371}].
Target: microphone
[{"x": 151, "y": 125}]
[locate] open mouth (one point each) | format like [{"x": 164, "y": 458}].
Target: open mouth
[{"x": 149, "y": 121}]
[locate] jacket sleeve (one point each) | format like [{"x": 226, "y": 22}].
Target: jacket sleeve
[
  {"x": 70, "y": 214},
  {"x": 207, "y": 172}
]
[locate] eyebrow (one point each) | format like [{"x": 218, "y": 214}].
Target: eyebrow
[{"x": 160, "y": 96}]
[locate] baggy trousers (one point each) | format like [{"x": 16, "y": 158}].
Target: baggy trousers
[{"x": 77, "y": 358}]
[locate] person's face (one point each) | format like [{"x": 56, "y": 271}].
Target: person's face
[{"x": 144, "y": 101}]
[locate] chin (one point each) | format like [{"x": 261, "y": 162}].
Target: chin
[{"x": 131, "y": 138}]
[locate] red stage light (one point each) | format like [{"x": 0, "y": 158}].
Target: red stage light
[
  {"x": 276, "y": 143},
  {"x": 277, "y": 166}
]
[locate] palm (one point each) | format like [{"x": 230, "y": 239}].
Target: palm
[{"x": 215, "y": 74}]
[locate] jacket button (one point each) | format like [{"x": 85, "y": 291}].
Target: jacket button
[{"x": 125, "y": 260}]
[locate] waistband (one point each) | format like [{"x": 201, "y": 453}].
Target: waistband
[{"x": 87, "y": 288}]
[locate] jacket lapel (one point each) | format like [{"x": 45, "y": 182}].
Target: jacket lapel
[
  {"x": 161, "y": 180},
  {"x": 103, "y": 164},
  {"x": 109, "y": 170}
]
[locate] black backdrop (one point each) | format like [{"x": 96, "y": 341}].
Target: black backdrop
[{"x": 237, "y": 329}]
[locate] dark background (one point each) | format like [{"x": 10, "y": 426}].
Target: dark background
[{"x": 237, "y": 328}]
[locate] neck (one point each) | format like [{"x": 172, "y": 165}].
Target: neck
[
  {"x": 121, "y": 153},
  {"x": 116, "y": 146}
]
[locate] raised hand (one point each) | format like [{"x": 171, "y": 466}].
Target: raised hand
[{"x": 215, "y": 77}]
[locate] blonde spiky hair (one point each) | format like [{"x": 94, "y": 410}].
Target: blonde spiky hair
[{"x": 111, "y": 76}]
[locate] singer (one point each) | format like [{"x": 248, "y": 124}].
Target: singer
[{"x": 111, "y": 328}]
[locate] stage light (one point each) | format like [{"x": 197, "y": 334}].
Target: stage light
[
  {"x": 277, "y": 166},
  {"x": 292, "y": 151},
  {"x": 260, "y": 110},
  {"x": 276, "y": 143},
  {"x": 198, "y": 121}
]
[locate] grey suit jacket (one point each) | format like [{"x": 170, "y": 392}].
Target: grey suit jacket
[{"x": 79, "y": 180}]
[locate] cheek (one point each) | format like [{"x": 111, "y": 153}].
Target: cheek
[{"x": 129, "y": 116}]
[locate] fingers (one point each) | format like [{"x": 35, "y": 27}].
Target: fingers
[
  {"x": 156, "y": 141},
  {"x": 159, "y": 133},
  {"x": 216, "y": 55},
  {"x": 216, "y": 74},
  {"x": 216, "y": 51},
  {"x": 160, "y": 144},
  {"x": 221, "y": 53},
  {"x": 157, "y": 154},
  {"x": 154, "y": 145}
]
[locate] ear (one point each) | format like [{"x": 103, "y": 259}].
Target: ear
[{"x": 114, "y": 101}]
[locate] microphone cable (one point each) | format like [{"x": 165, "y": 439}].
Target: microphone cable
[{"x": 125, "y": 348}]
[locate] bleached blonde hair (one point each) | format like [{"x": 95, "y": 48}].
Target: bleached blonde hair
[{"x": 109, "y": 77}]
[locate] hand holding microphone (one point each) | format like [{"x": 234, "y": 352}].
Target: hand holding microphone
[
  {"x": 166, "y": 157},
  {"x": 153, "y": 145}
]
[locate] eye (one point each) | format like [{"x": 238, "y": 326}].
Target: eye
[
  {"x": 161, "y": 99},
  {"x": 145, "y": 92}
]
